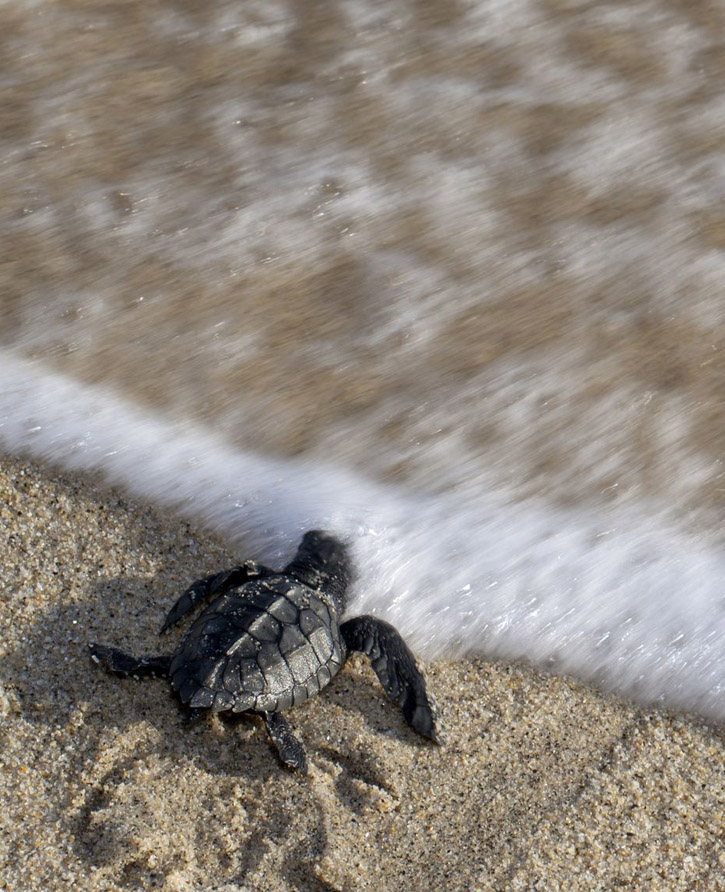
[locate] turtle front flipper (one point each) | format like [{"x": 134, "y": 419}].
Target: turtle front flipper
[
  {"x": 216, "y": 584},
  {"x": 289, "y": 748},
  {"x": 119, "y": 663},
  {"x": 395, "y": 666}
]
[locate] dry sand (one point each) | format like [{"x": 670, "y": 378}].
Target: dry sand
[{"x": 542, "y": 782}]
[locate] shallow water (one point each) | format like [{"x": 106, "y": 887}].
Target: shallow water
[{"x": 448, "y": 281}]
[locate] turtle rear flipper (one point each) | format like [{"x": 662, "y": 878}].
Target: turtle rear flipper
[
  {"x": 120, "y": 663},
  {"x": 395, "y": 666},
  {"x": 289, "y": 748}
]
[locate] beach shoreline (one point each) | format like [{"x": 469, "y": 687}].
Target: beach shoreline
[
  {"x": 542, "y": 782},
  {"x": 444, "y": 278}
]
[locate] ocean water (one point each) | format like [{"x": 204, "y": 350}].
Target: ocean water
[{"x": 445, "y": 278}]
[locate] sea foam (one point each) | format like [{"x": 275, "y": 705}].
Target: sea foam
[{"x": 619, "y": 600}]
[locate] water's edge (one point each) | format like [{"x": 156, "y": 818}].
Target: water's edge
[{"x": 618, "y": 600}]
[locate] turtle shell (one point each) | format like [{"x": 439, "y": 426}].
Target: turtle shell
[{"x": 265, "y": 646}]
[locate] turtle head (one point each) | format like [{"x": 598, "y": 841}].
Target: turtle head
[{"x": 323, "y": 562}]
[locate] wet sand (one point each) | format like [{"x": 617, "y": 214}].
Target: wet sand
[{"x": 542, "y": 782}]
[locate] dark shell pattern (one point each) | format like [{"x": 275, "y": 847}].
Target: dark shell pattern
[{"x": 264, "y": 646}]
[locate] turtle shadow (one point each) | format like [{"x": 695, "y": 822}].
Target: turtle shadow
[
  {"x": 56, "y": 680},
  {"x": 125, "y": 726},
  {"x": 121, "y": 726}
]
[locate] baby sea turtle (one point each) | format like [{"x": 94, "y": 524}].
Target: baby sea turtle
[{"x": 270, "y": 640}]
